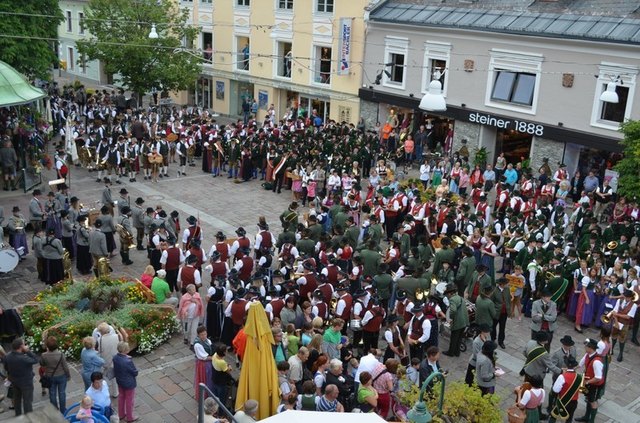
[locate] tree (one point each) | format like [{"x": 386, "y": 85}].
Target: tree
[
  {"x": 29, "y": 28},
  {"x": 120, "y": 40},
  {"x": 629, "y": 166}
]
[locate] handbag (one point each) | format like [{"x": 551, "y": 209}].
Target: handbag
[
  {"x": 516, "y": 415},
  {"x": 45, "y": 380}
]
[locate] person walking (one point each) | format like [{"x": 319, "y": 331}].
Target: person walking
[
  {"x": 56, "y": 368},
  {"x": 459, "y": 319},
  {"x": 125, "y": 372},
  {"x": 18, "y": 365}
]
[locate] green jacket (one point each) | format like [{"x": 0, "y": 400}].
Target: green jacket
[
  {"x": 485, "y": 281},
  {"x": 375, "y": 232},
  {"x": 426, "y": 253},
  {"x": 383, "y": 283},
  {"x": 340, "y": 219},
  {"x": 411, "y": 285},
  {"x": 485, "y": 311},
  {"x": 316, "y": 231},
  {"x": 465, "y": 271},
  {"x": 500, "y": 297},
  {"x": 443, "y": 255},
  {"x": 307, "y": 246},
  {"x": 351, "y": 234},
  {"x": 370, "y": 261},
  {"x": 458, "y": 312}
]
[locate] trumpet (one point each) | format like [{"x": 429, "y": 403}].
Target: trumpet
[
  {"x": 606, "y": 318},
  {"x": 583, "y": 388}
]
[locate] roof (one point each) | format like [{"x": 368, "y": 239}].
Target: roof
[
  {"x": 600, "y": 20},
  {"x": 15, "y": 89}
]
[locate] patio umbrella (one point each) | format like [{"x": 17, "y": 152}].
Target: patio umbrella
[{"x": 259, "y": 375}]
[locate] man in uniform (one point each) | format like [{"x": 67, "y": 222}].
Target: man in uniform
[
  {"x": 465, "y": 270},
  {"x": 418, "y": 332},
  {"x": 372, "y": 323},
  {"x": 36, "y": 210},
  {"x": 544, "y": 316},
  {"x": 171, "y": 260},
  {"x": 561, "y": 358},
  {"x": 459, "y": 319},
  {"x": 594, "y": 379},
  {"x": 502, "y": 299},
  {"x": 192, "y": 233},
  {"x": 445, "y": 254},
  {"x": 289, "y": 217},
  {"x": 138, "y": 214},
  {"x": 125, "y": 231},
  {"x": 344, "y": 304},
  {"x": 97, "y": 245},
  {"x": 565, "y": 392},
  {"x": 623, "y": 314},
  {"x": 484, "y": 332},
  {"x": 479, "y": 281}
]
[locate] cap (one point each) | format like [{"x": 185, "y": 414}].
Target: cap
[{"x": 401, "y": 294}]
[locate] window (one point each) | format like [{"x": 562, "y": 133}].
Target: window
[
  {"x": 207, "y": 46},
  {"x": 322, "y": 65},
  {"x": 611, "y": 115},
  {"x": 71, "y": 63},
  {"x": 395, "y": 59},
  {"x": 436, "y": 58},
  {"x": 514, "y": 87},
  {"x": 284, "y": 61},
  {"x": 83, "y": 64},
  {"x": 206, "y": 2},
  {"x": 243, "y": 3},
  {"x": 285, "y": 4},
  {"x": 243, "y": 49},
  {"x": 514, "y": 80},
  {"x": 69, "y": 22},
  {"x": 80, "y": 23},
  {"x": 324, "y": 6}
]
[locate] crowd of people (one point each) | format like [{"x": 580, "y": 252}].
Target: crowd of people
[{"x": 369, "y": 267}]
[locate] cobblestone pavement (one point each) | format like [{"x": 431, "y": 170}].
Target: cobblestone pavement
[{"x": 165, "y": 386}]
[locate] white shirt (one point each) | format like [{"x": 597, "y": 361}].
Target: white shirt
[
  {"x": 368, "y": 363},
  {"x": 100, "y": 397},
  {"x": 165, "y": 255},
  {"x": 201, "y": 354},
  {"x": 196, "y": 277},
  {"x": 597, "y": 366},
  {"x": 559, "y": 383},
  {"x": 426, "y": 330},
  {"x": 526, "y": 397},
  {"x": 621, "y": 303}
]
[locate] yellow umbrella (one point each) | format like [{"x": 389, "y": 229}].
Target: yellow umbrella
[{"x": 259, "y": 375}]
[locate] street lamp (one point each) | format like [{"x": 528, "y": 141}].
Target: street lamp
[
  {"x": 610, "y": 95},
  {"x": 433, "y": 100},
  {"x": 153, "y": 34},
  {"x": 419, "y": 413}
]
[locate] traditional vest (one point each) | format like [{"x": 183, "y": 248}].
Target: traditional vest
[
  {"x": 218, "y": 268},
  {"x": 332, "y": 274},
  {"x": 238, "y": 311},
  {"x": 173, "y": 258},
  {"x": 569, "y": 377},
  {"x": 243, "y": 243},
  {"x": 323, "y": 309},
  {"x": 266, "y": 239},
  {"x": 308, "y": 287},
  {"x": 327, "y": 291},
  {"x": 346, "y": 313},
  {"x": 247, "y": 268},
  {"x": 277, "y": 304},
  {"x": 416, "y": 327},
  {"x": 375, "y": 323},
  {"x": 194, "y": 233},
  {"x": 588, "y": 365},
  {"x": 187, "y": 276},
  {"x": 197, "y": 252},
  {"x": 223, "y": 249}
]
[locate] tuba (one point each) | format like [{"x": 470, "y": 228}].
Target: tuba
[
  {"x": 103, "y": 268},
  {"x": 126, "y": 238}
]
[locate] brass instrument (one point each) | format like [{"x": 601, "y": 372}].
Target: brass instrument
[
  {"x": 126, "y": 237},
  {"x": 66, "y": 263},
  {"x": 583, "y": 388},
  {"x": 103, "y": 267},
  {"x": 333, "y": 305},
  {"x": 434, "y": 281},
  {"x": 612, "y": 245},
  {"x": 606, "y": 318},
  {"x": 459, "y": 240}
]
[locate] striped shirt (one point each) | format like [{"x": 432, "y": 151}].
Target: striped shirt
[{"x": 323, "y": 404}]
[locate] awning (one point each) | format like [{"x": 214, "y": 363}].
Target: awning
[{"x": 15, "y": 89}]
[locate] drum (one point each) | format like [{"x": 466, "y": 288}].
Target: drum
[
  {"x": 471, "y": 310},
  {"x": 9, "y": 259},
  {"x": 355, "y": 325}
]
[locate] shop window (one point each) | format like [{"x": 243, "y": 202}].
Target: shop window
[
  {"x": 322, "y": 65},
  {"x": 514, "y": 87},
  {"x": 324, "y": 6},
  {"x": 285, "y": 4},
  {"x": 69, "y": 21},
  {"x": 284, "y": 61},
  {"x": 396, "y": 50},
  {"x": 80, "y": 23},
  {"x": 611, "y": 115},
  {"x": 436, "y": 58},
  {"x": 207, "y": 47},
  {"x": 514, "y": 81},
  {"x": 243, "y": 47}
]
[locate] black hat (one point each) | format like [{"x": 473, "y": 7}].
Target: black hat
[
  {"x": 240, "y": 231},
  {"x": 308, "y": 265},
  {"x": 174, "y": 214},
  {"x": 451, "y": 287},
  {"x": 359, "y": 293},
  {"x": 542, "y": 337},
  {"x": 241, "y": 292},
  {"x": 126, "y": 210},
  {"x": 571, "y": 362},
  {"x": 73, "y": 199},
  {"x": 191, "y": 220},
  {"x": 51, "y": 231},
  {"x": 567, "y": 340},
  {"x": 15, "y": 209},
  {"x": 393, "y": 318},
  {"x": 401, "y": 294},
  {"x": 124, "y": 191},
  {"x": 628, "y": 293},
  {"x": 417, "y": 308},
  {"x": 591, "y": 343},
  {"x": 139, "y": 200},
  {"x": 215, "y": 255},
  {"x": 342, "y": 287},
  {"x": 150, "y": 210},
  {"x": 191, "y": 259},
  {"x": 97, "y": 223},
  {"x": 219, "y": 235}
]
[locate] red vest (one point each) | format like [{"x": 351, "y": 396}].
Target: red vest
[
  {"x": 327, "y": 291},
  {"x": 569, "y": 378},
  {"x": 363, "y": 310},
  {"x": 332, "y": 274},
  {"x": 308, "y": 287},
  {"x": 286, "y": 251},
  {"x": 194, "y": 233},
  {"x": 375, "y": 323},
  {"x": 187, "y": 276},
  {"x": 218, "y": 268},
  {"x": 588, "y": 365},
  {"x": 346, "y": 313},
  {"x": 276, "y": 306},
  {"x": 238, "y": 311},
  {"x": 416, "y": 327},
  {"x": 247, "y": 268},
  {"x": 198, "y": 253},
  {"x": 243, "y": 243},
  {"x": 482, "y": 208},
  {"x": 173, "y": 258},
  {"x": 223, "y": 249},
  {"x": 347, "y": 252},
  {"x": 266, "y": 239},
  {"x": 323, "y": 310}
]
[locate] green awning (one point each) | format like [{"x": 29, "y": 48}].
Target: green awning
[{"x": 15, "y": 89}]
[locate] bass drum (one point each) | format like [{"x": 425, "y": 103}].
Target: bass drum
[{"x": 9, "y": 259}]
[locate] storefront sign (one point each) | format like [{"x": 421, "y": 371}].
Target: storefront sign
[
  {"x": 344, "y": 46},
  {"x": 502, "y": 123}
]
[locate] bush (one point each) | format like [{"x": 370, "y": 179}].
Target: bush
[{"x": 464, "y": 403}]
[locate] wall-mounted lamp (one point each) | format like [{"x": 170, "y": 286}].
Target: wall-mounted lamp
[{"x": 610, "y": 95}]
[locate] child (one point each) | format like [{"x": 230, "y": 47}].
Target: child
[
  {"x": 413, "y": 371},
  {"x": 84, "y": 413},
  {"x": 293, "y": 340},
  {"x": 307, "y": 400},
  {"x": 516, "y": 283},
  {"x": 311, "y": 193}
]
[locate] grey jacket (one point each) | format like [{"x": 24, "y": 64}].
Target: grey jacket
[
  {"x": 537, "y": 316},
  {"x": 52, "y": 248},
  {"x": 123, "y": 201},
  {"x": 107, "y": 223},
  {"x": 50, "y": 359},
  {"x": 485, "y": 376},
  {"x": 98, "y": 243},
  {"x": 67, "y": 228},
  {"x": 107, "y": 200},
  {"x": 125, "y": 221},
  {"x": 83, "y": 236},
  {"x": 35, "y": 212},
  {"x": 137, "y": 215},
  {"x": 36, "y": 243},
  {"x": 19, "y": 367},
  {"x": 558, "y": 357},
  {"x": 539, "y": 367},
  {"x": 476, "y": 347}
]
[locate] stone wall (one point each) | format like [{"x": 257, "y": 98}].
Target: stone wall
[
  {"x": 369, "y": 111},
  {"x": 470, "y": 132},
  {"x": 545, "y": 148}
]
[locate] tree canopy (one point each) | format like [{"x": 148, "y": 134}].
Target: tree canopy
[
  {"x": 29, "y": 29},
  {"x": 629, "y": 167},
  {"x": 120, "y": 40}
]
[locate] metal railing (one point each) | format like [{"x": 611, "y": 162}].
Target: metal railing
[{"x": 202, "y": 388}]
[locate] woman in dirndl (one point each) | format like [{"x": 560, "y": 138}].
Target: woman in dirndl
[
  {"x": 17, "y": 235},
  {"x": 574, "y": 295},
  {"x": 584, "y": 310},
  {"x": 52, "y": 208},
  {"x": 53, "y": 251},
  {"x": 204, "y": 368},
  {"x": 529, "y": 399}
]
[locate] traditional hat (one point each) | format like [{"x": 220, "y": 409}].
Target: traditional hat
[
  {"x": 191, "y": 220},
  {"x": 567, "y": 340},
  {"x": 139, "y": 200},
  {"x": 124, "y": 191}
]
